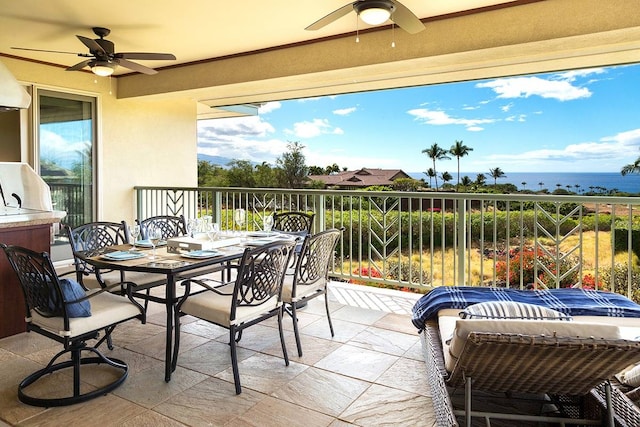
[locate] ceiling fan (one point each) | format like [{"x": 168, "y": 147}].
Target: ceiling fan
[
  {"x": 375, "y": 12},
  {"x": 103, "y": 59}
]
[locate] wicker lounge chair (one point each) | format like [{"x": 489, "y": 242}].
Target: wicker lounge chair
[
  {"x": 574, "y": 372},
  {"x": 565, "y": 368}
]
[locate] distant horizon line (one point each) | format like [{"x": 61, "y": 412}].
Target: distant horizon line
[{"x": 527, "y": 172}]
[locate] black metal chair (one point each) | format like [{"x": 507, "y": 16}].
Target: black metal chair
[
  {"x": 62, "y": 310},
  {"x": 253, "y": 297},
  {"x": 310, "y": 276},
  {"x": 173, "y": 226},
  {"x": 94, "y": 237},
  {"x": 169, "y": 226},
  {"x": 299, "y": 223}
]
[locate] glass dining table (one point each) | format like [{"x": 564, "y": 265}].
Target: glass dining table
[{"x": 175, "y": 267}]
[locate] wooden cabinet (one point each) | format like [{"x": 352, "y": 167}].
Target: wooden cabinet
[{"x": 12, "y": 309}]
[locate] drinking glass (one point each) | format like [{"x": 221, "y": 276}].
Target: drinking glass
[
  {"x": 239, "y": 217},
  {"x": 267, "y": 223},
  {"x": 155, "y": 234},
  {"x": 134, "y": 230}
]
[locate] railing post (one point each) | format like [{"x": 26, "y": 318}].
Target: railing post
[
  {"x": 320, "y": 218},
  {"x": 216, "y": 209},
  {"x": 461, "y": 242},
  {"x": 139, "y": 203}
]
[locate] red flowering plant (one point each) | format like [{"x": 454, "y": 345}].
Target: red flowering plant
[
  {"x": 590, "y": 282},
  {"x": 365, "y": 272},
  {"x": 523, "y": 262}
]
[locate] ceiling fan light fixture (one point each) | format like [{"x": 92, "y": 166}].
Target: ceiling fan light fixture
[
  {"x": 103, "y": 68},
  {"x": 374, "y": 12}
]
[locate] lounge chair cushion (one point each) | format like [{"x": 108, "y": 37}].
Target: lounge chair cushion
[
  {"x": 524, "y": 327},
  {"x": 631, "y": 376},
  {"x": 511, "y": 310}
]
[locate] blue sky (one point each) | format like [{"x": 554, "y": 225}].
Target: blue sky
[{"x": 574, "y": 121}]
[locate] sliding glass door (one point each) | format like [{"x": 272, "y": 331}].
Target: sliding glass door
[{"x": 66, "y": 146}]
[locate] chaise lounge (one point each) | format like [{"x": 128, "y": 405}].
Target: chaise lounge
[{"x": 562, "y": 346}]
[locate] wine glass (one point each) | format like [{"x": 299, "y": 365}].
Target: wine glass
[
  {"x": 212, "y": 231},
  {"x": 192, "y": 225},
  {"x": 134, "y": 230},
  {"x": 155, "y": 234},
  {"x": 239, "y": 217},
  {"x": 267, "y": 223}
]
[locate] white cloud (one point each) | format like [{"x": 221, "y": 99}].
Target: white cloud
[
  {"x": 507, "y": 107},
  {"x": 344, "y": 111},
  {"x": 246, "y": 149},
  {"x": 614, "y": 148},
  {"x": 269, "y": 107},
  {"x": 239, "y": 138},
  {"x": 516, "y": 118},
  {"x": 313, "y": 128},
  {"x": 574, "y": 74},
  {"x": 233, "y": 129},
  {"x": 525, "y": 87},
  {"x": 440, "y": 118}
]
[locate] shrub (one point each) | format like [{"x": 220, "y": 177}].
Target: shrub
[
  {"x": 525, "y": 263},
  {"x": 405, "y": 271},
  {"x": 618, "y": 280}
]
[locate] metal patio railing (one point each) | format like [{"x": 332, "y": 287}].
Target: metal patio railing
[{"x": 419, "y": 240}]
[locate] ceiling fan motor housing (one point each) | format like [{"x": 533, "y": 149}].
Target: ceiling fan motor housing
[{"x": 359, "y": 6}]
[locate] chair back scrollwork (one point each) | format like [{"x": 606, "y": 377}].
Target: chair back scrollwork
[
  {"x": 169, "y": 226},
  {"x": 293, "y": 222}
]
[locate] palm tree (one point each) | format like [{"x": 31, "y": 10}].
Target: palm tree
[
  {"x": 435, "y": 152},
  {"x": 495, "y": 174},
  {"x": 466, "y": 181},
  {"x": 458, "y": 149},
  {"x": 631, "y": 168},
  {"x": 446, "y": 177},
  {"x": 541, "y": 184},
  {"x": 481, "y": 180},
  {"x": 524, "y": 185},
  {"x": 431, "y": 173}
]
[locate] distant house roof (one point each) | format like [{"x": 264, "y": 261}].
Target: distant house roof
[{"x": 361, "y": 178}]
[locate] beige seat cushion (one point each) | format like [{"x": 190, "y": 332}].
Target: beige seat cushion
[
  {"x": 106, "y": 309},
  {"x": 301, "y": 290},
  {"x": 112, "y": 277},
  {"x": 525, "y": 327},
  {"x": 216, "y": 308}
]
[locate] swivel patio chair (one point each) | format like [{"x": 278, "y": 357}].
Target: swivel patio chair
[
  {"x": 310, "y": 276},
  {"x": 253, "y": 297},
  {"x": 62, "y": 310}
]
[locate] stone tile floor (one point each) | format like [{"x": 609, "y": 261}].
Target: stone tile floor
[{"x": 370, "y": 374}]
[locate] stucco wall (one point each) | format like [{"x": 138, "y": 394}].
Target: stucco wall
[{"x": 140, "y": 141}]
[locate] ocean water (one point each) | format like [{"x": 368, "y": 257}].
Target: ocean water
[{"x": 578, "y": 182}]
